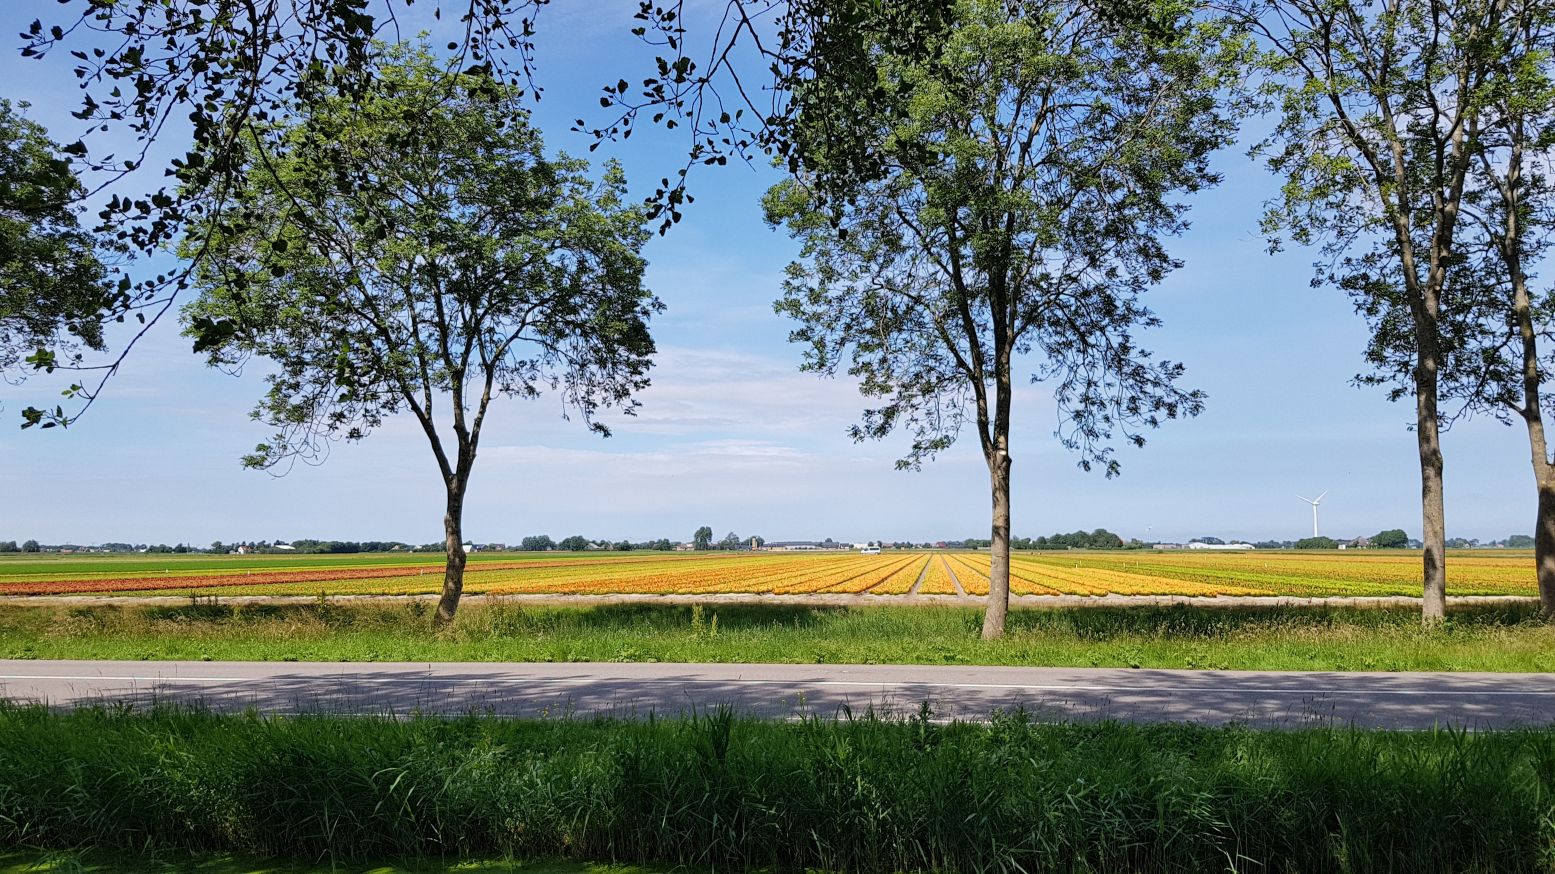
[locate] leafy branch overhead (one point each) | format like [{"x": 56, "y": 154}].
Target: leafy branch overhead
[
  {"x": 221, "y": 74},
  {"x": 213, "y": 78}
]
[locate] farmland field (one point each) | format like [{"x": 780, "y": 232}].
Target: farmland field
[{"x": 1305, "y": 574}]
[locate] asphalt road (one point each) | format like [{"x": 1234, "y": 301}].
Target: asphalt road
[{"x": 1389, "y": 700}]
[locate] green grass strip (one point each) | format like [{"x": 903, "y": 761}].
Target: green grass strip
[{"x": 1473, "y": 639}]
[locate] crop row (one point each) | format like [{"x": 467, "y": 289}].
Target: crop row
[{"x": 904, "y": 578}]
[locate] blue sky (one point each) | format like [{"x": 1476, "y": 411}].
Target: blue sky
[{"x": 732, "y": 435}]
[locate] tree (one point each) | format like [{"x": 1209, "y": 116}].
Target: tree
[
  {"x": 218, "y": 547},
  {"x": 730, "y": 541},
  {"x": 703, "y": 538},
  {"x": 1003, "y": 195},
  {"x": 1317, "y": 543},
  {"x": 1513, "y": 541},
  {"x": 1381, "y": 192},
  {"x": 1509, "y": 207},
  {"x": 9, "y": 546},
  {"x": 537, "y": 543},
  {"x": 575, "y": 543},
  {"x": 31, "y": 546},
  {"x": 1392, "y": 538},
  {"x": 53, "y": 282},
  {"x": 454, "y": 262}
]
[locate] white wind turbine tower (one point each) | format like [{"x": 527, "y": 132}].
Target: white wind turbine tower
[{"x": 1314, "y": 503}]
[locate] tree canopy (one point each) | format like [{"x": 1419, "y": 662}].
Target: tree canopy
[
  {"x": 537, "y": 543},
  {"x": 1390, "y": 538},
  {"x": 54, "y": 284},
  {"x": 413, "y": 246}
]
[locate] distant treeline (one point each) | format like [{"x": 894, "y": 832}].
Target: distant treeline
[
  {"x": 1101, "y": 538},
  {"x": 578, "y": 543}
]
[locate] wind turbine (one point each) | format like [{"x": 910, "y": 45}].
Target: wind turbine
[{"x": 1314, "y": 503}]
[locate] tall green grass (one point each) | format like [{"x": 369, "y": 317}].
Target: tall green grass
[
  {"x": 856, "y": 794},
  {"x": 1501, "y": 638},
  {"x": 71, "y": 862}
]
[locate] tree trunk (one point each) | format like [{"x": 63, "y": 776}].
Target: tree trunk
[
  {"x": 1544, "y": 545},
  {"x": 999, "y": 551},
  {"x": 1433, "y": 523},
  {"x": 1533, "y": 381},
  {"x": 453, "y": 571},
  {"x": 1533, "y": 417}
]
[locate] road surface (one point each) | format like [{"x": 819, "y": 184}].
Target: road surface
[{"x": 1386, "y": 700}]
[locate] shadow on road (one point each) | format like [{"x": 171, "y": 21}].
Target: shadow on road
[{"x": 639, "y": 690}]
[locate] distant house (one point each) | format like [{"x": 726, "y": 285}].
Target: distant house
[
  {"x": 685, "y": 547},
  {"x": 792, "y": 545},
  {"x": 1220, "y": 546},
  {"x": 286, "y": 546}
]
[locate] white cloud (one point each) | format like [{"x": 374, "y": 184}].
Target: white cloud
[{"x": 695, "y": 391}]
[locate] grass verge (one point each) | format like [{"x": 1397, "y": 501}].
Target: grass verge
[
  {"x": 859, "y": 794},
  {"x": 1473, "y": 639}
]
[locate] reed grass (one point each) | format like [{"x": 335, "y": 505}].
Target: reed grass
[
  {"x": 88, "y": 862},
  {"x": 856, "y": 793}
]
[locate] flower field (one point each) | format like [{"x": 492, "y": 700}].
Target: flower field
[{"x": 894, "y": 573}]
